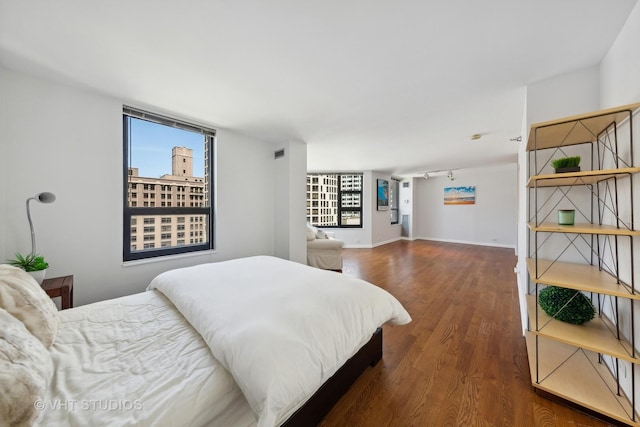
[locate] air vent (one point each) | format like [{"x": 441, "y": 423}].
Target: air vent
[
  {"x": 405, "y": 185},
  {"x": 278, "y": 154}
]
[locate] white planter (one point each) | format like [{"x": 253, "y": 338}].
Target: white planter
[{"x": 38, "y": 275}]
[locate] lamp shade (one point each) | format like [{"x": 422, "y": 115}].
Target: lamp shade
[{"x": 46, "y": 197}]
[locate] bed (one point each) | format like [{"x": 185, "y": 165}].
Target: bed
[{"x": 256, "y": 341}]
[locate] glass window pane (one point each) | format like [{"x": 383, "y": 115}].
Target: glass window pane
[
  {"x": 351, "y": 182},
  {"x": 350, "y": 217},
  {"x": 168, "y": 164},
  {"x": 351, "y": 200},
  {"x": 167, "y": 236}
]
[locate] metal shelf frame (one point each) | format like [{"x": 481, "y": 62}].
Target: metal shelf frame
[{"x": 599, "y": 243}]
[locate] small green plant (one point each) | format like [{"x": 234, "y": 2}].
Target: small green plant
[
  {"x": 31, "y": 262},
  {"x": 566, "y": 162},
  {"x": 567, "y": 305}
]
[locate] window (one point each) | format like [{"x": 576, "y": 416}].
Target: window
[
  {"x": 163, "y": 154},
  {"x": 340, "y": 196},
  {"x": 394, "y": 197}
]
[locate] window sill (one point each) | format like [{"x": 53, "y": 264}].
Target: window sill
[{"x": 167, "y": 258}]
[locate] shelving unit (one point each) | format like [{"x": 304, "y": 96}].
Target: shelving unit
[{"x": 591, "y": 365}]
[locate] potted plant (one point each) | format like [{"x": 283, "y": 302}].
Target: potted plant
[
  {"x": 33, "y": 264},
  {"x": 566, "y": 164},
  {"x": 567, "y": 305}
]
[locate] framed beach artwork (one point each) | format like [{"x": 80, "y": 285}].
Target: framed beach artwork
[
  {"x": 382, "y": 194},
  {"x": 460, "y": 195}
]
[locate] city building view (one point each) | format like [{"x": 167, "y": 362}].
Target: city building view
[
  {"x": 334, "y": 200},
  {"x": 179, "y": 189}
]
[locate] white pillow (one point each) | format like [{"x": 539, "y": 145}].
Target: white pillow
[
  {"x": 311, "y": 233},
  {"x": 25, "y": 372},
  {"x": 25, "y": 300},
  {"x": 322, "y": 235}
]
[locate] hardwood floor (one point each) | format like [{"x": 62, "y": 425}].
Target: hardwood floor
[{"x": 462, "y": 360}]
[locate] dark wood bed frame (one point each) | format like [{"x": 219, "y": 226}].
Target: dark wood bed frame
[{"x": 312, "y": 412}]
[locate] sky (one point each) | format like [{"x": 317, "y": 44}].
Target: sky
[{"x": 151, "y": 146}]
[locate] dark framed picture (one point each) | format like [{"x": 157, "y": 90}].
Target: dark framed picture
[{"x": 382, "y": 194}]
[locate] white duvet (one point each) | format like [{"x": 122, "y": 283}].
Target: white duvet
[
  {"x": 135, "y": 361},
  {"x": 280, "y": 328}
]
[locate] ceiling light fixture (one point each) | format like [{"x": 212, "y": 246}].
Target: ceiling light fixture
[
  {"x": 475, "y": 136},
  {"x": 450, "y": 175},
  {"x": 426, "y": 176}
]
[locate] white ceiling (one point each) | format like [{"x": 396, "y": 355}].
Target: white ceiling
[{"x": 397, "y": 86}]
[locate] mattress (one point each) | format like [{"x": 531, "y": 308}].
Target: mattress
[
  {"x": 279, "y": 327},
  {"x": 135, "y": 360}
]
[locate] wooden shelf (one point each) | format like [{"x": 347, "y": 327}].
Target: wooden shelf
[
  {"x": 586, "y": 228},
  {"x": 572, "y": 179},
  {"x": 573, "y": 130},
  {"x": 579, "y": 363},
  {"x": 596, "y": 335},
  {"x": 583, "y": 277},
  {"x": 581, "y": 379}
]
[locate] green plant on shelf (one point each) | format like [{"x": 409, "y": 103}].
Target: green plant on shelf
[
  {"x": 567, "y": 305},
  {"x": 566, "y": 162},
  {"x": 31, "y": 262}
]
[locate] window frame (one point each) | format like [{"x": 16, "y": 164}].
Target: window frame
[
  {"x": 340, "y": 208},
  {"x": 209, "y": 136}
]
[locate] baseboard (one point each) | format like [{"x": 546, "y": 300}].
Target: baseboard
[
  {"x": 358, "y": 246},
  {"x": 411, "y": 239},
  {"x": 371, "y": 246},
  {"x": 464, "y": 242},
  {"x": 386, "y": 242}
]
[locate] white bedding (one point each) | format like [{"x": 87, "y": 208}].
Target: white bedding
[
  {"x": 279, "y": 327},
  {"x": 136, "y": 361}
]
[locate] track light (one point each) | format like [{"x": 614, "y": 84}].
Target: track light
[
  {"x": 426, "y": 176},
  {"x": 450, "y": 175}
]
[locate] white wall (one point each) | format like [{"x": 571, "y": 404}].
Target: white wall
[
  {"x": 491, "y": 221},
  {"x": 69, "y": 141},
  {"x": 564, "y": 95},
  {"x": 290, "y": 202},
  {"x": 383, "y": 231},
  {"x": 4, "y": 108},
  {"x": 521, "y": 251},
  {"x": 620, "y": 69}
]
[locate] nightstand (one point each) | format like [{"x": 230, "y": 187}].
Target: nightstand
[{"x": 60, "y": 287}]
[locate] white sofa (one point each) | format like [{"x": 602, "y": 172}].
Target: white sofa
[{"x": 323, "y": 251}]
